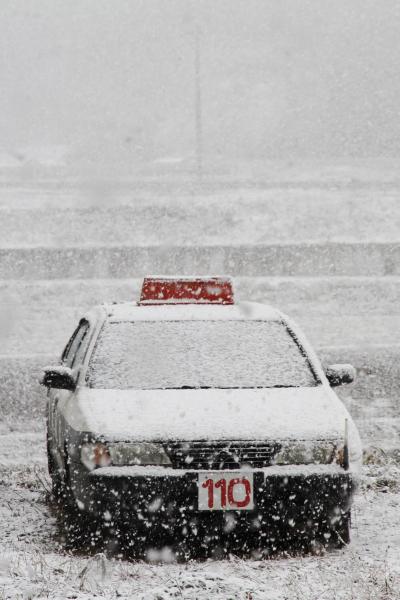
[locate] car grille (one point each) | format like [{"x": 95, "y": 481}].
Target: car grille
[{"x": 221, "y": 455}]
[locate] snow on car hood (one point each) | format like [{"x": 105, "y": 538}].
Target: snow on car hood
[{"x": 254, "y": 414}]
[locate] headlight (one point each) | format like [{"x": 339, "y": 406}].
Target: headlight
[
  {"x": 95, "y": 455},
  {"x": 143, "y": 453},
  {"x": 119, "y": 454},
  {"x": 306, "y": 453}
]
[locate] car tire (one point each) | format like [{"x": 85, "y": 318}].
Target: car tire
[
  {"x": 334, "y": 537},
  {"x": 337, "y": 536},
  {"x": 79, "y": 528},
  {"x": 57, "y": 483},
  {"x": 341, "y": 533}
]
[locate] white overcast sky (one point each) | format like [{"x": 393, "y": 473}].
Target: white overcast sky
[{"x": 279, "y": 77}]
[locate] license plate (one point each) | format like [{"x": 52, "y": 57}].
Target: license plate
[{"x": 222, "y": 490}]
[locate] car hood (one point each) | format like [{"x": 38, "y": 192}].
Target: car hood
[{"x": 215, "y": 414}]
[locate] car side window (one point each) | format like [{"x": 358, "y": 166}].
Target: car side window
[
  {"x": 74, "y": 344},
  {"x": 82, "y": 346}
]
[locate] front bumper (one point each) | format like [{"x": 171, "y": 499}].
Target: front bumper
[{"x": 288, "y": 502}]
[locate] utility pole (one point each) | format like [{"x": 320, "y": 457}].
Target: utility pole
[{"x": 198, "y": 105}]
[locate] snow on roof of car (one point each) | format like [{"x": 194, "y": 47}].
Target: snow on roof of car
[{"x": 242, "y": 311}]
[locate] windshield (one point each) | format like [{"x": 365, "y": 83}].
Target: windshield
[{"x": 197, "y": 354}]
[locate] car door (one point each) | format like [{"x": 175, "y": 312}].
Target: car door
[{"x": 70, "y": 358}]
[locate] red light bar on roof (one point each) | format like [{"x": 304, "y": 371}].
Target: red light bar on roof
[{"x": 187, "y": 290}]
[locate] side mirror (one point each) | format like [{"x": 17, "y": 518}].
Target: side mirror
[
  {"x": 339, "y": 374},
  {"x": 59, "y": 377}
]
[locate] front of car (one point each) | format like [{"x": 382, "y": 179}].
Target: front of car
[{"x": 210, "y": 417}]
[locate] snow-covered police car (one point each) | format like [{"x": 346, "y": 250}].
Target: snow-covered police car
[{"x": 192, "y": 412}]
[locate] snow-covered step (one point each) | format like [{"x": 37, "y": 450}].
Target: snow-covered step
[
  {"x": 317, "y": 295},
  {"x": 123, "y": 214},
  {"x": 314, "y": 260},
  {"x": 49, "y": 332},
  {"x": 38, "y": 316}
]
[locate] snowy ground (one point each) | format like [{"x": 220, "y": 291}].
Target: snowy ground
[
  {"x": 354, "y": 319},
  {"x": 333, "y": 311}
]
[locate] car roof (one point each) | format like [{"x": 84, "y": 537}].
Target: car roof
[{"x": 241, "y": 311}]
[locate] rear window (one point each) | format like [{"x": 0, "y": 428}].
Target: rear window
[{"x": 197, "y": 354}]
